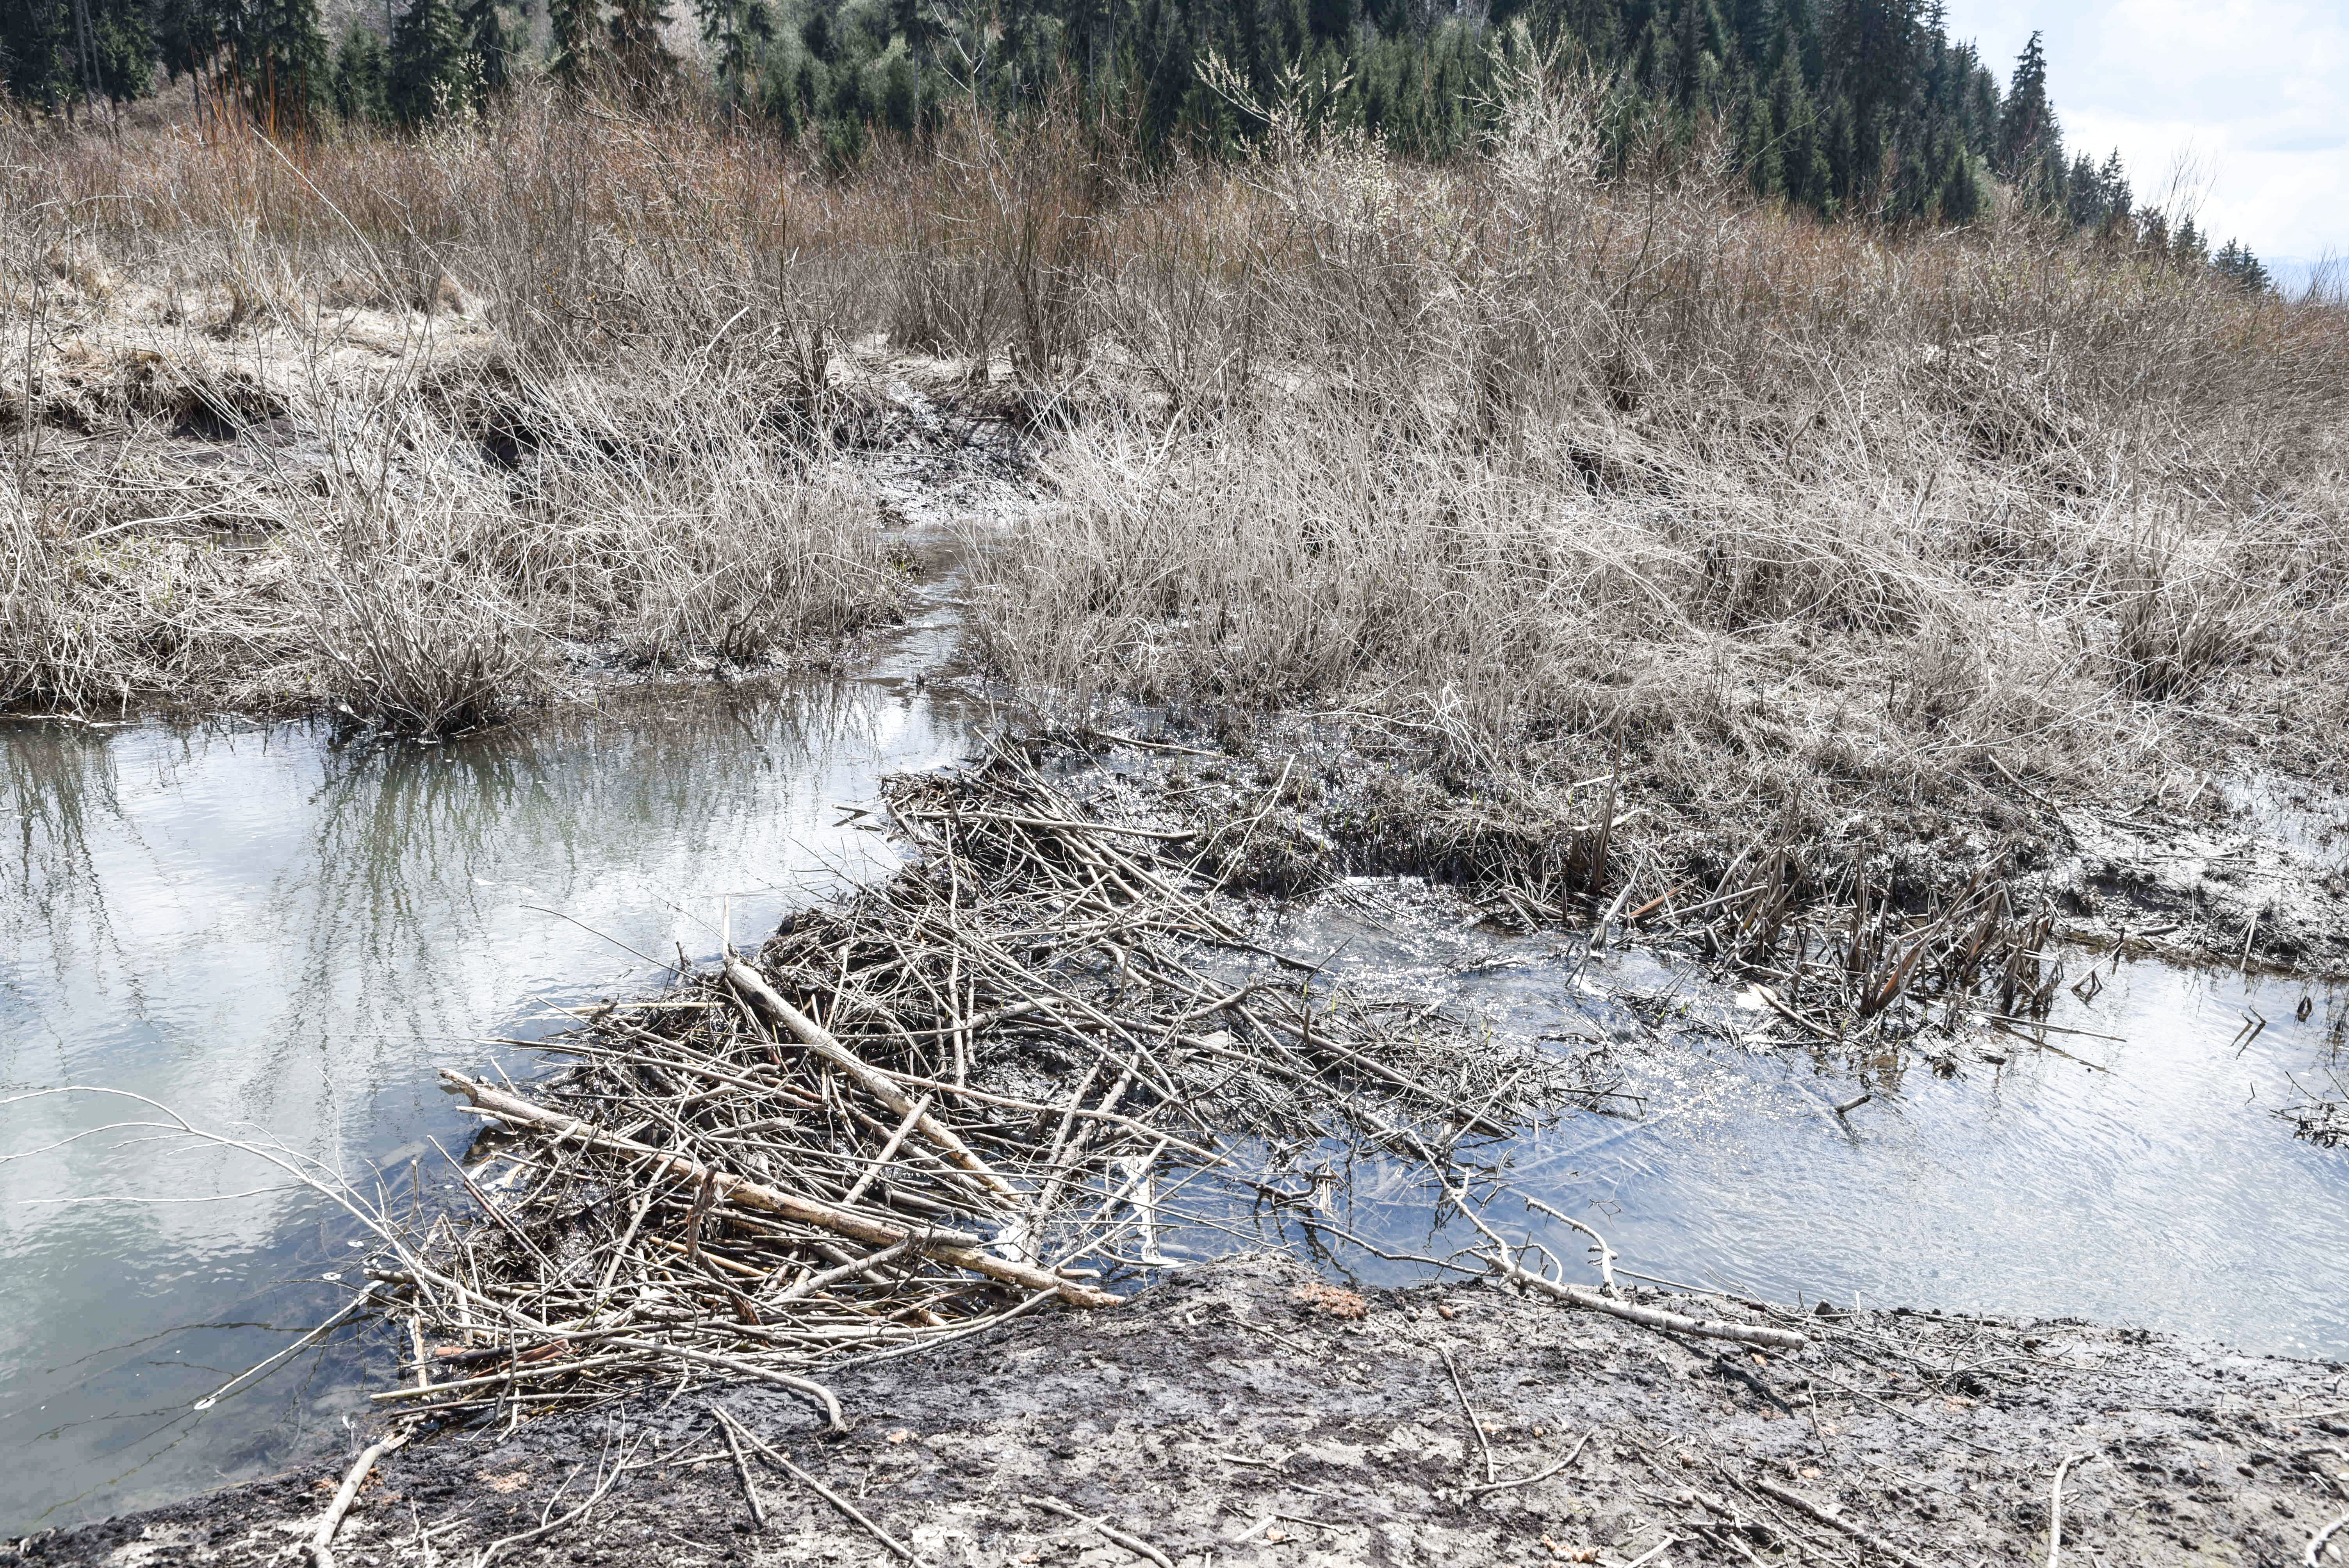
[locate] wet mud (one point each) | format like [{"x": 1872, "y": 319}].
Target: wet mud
[{"x": 1247, "y": 1412}]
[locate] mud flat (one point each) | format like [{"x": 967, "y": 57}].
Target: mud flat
[{"x": 1246, "y": 1411}]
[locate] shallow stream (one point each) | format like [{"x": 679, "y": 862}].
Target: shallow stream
[{"x": 285, "y": 938}]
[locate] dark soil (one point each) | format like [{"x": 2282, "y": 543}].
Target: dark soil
[{"x": 1242, "y": 1413}]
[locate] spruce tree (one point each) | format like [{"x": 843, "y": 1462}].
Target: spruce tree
[
  {"x": 2187, "y": 247},
  {"x": 2113, "y": 180},
  {"x": 487, "y": 44},
  {"x": 2237, "y": 264},
  {"x": 574, "y": 32},
  {"x": 739, "y": 31},
  {"x": 362, "y": 76},
  {"x": 56, "y": 53},
  {"x": 1960, "y": 197},
  {"x": 431, "y": 74},
  {"x": 37, "y": 48},
  {"x": 2026, "y": 121},
  {"x": 640, "y": 53},
  {"x": 1874, "y": 44}
]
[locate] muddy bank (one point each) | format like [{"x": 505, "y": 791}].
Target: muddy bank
[
  {"x": 2243, "y": 869},
  {"x": 1243, "y": 1413}
]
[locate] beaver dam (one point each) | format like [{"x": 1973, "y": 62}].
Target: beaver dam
[
  {"x": 702, "y": 1283},
  {"x": 990, "y": 1083}
]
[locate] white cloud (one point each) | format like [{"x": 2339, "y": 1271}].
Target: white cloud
[{"x": 2249, "y": 97}]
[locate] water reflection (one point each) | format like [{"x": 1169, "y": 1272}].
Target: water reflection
[{"x": 267, "y": 931}]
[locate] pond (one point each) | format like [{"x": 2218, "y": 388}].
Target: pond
[{"x": 2126, "y": 1167}]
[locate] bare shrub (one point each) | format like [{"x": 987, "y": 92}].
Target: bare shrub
[
  {"x": 2176, "y": 624},
  {"x": 1510, "y": 455}
]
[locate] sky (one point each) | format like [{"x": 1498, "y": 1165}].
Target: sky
[{"x": 2249, "y": 99}]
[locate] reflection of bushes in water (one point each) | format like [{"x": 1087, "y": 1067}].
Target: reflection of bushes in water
[
  {"x": 540, "y": 792},
  {"x": 393, "y": 827},
  {"x": 62, "y": 783}
]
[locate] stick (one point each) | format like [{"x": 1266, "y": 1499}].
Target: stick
[
  {"x": 2055, "y": 1509},
  {"x": 1542, "y": 1475},
  {"x": 753, "y": 1196},
  {"x": 1469, "y": 1410},
  {"x": 2316, "y": 1541},
  {"x": 815, "y": 1282},
  {"x": 807, "y": 1386},
  {"x": 1827, "y": 1515},
  {"x": 873, "y": 1082},
  {"x": 896, "y": 1547},
  {"x": 1132, "y": 1543},
  {"x": 604, "y": 1484},
  {"x": 362, "y": 1299},
  {"x": 1606, "y": 1253},
  {"x": 1651, "y": 1316},
  {"x": 742, "y": 1468},
  {"x": 921, "y": 1108},
  {"x": 322, "y": 1539}
]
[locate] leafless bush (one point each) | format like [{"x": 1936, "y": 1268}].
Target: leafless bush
[{"x": 1513, "y": 449}]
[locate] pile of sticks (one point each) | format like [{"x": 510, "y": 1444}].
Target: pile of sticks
[{"x": 986, "y": 1087}]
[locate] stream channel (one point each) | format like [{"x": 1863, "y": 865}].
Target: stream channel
[{"x": 285, "y": 938}]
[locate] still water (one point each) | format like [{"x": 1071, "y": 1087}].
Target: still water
[
  {"x": 2141, "y": 1179},
  {"x": 283, "y": 939},
  {"x": 286, "y": 939}
]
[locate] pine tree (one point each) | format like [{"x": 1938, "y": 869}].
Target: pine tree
[
  {"x": 37, "y": 40},
  {"x": 575, "y": 31},
  {"x": 489, "y": 45},
  {"x": 362, "y": 76},
  {"x": 2187, "y": 248},
  {"x": 269, "y": 55},
  {"x": 1960, "y": 197},
  {"x": 2237, "y": 264},
  {"x": 1874, "y": 49},
  {"x": 56, "y": 54},
  {"x": 739, "y": 30},
  {"x": 2084, "y": 194},
  {"x": 1806, "y": 174},
  {"x": 640, "y": 52}
]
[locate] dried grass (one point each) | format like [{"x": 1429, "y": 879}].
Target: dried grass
[{"x": 1503, "y": 455}]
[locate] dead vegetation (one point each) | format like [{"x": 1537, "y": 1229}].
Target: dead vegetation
[
  {"x": 1789, "y": 538},
  {"x": 991, "y": 1081},
  {"x": 2321, "y": 1117},
  {"x": 1470, "y": 473}
]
